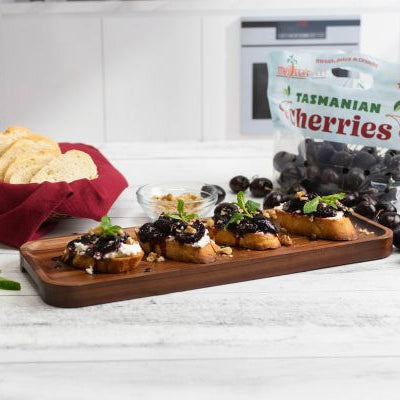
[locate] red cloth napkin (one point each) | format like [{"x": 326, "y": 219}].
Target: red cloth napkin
[{"x": 24, "y": 209}]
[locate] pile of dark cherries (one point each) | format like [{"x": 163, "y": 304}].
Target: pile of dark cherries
[
  {"x": 327, "y": 167},
  {"x": 156, "y": 232},
  {"x": 259, "y": 223}
]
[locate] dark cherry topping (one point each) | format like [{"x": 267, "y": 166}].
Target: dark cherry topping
[
  {"x": 85, "y": 239},
  {"x": 148, "y": 233},
  {"x": 258, "y": 223},
  {"x": 323, "y": 210},
  {"x": 223, "y": 213},
  {"x": 98, "y": 246},
  {"x": 192, "y": 233},
  {"x": 165, "y": 226}
]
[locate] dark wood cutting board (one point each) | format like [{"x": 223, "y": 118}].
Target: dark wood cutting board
[{"x": 62, "y": 286}]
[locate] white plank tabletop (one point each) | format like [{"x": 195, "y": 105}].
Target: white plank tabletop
[{"x": 327, "y": 334}]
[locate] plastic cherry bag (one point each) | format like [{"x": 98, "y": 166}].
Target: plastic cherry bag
[{"x": 337, "y": 120}]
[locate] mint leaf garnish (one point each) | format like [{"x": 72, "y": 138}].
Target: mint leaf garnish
[
  {"x": 252, "y": 207},
  {"x": 108, "y": 227},
  {"x": 311, "y": 205},
  {"x": 397, "y": 106},
  {"x": 330, "y": 200},
  {"x": 181, "y": 213},
  {"x": 6, "y": 284},
  {"x": 246, "y": 209},
  {"x": 236, "y": 218}
]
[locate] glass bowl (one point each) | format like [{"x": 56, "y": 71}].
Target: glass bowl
[{"x": 203, "y": 205}]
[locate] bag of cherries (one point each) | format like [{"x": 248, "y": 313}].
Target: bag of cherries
[{"x": 337, "y": 120}]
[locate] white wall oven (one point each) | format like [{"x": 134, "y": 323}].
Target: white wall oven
[{"x": 260, "y": 36}]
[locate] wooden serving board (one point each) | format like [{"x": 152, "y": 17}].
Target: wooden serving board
[{"x": 62, "y": 286}]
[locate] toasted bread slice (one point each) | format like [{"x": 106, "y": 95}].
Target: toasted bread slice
[
  {"x": 323, "y": 228},
  {"x": 182, "y": 252},
  {"x": 253, "y": 241},
  {"x": 23, "y": 169},
  {"x": 24, "y": 147},
  {"x": 68, "y": 167},
  {"x": 103, "y": 266}
]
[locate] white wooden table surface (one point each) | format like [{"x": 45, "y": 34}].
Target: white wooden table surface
[{"x": 327, "y": 334}]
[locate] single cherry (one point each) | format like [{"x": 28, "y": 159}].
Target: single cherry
[{"x": 239, "y": 184}]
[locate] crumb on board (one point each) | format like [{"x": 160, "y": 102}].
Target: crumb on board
[
  {"x": 89, "y": 270},
  {"x": 365, "y": 231},
  {"x": 225, "y": 251},
  {"x": 154, "y": 257},
  {"x": 313, "y": 236},
  {"x": 286, "y": 240}
]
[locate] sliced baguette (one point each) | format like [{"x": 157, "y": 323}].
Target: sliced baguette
[
  {"x": 23, "y": 169},
  {"x": 24, "y": 147},
  {"x": 68, "y": 167},
  {"x": 174, "y": 250},
  {"x": 17, "y": 131},
  {"x": 323, "y": 228},
  {"x": 253, "y": 241},
  {"x": 11, "y": 135},
  {"x": 103, "y": 266}
]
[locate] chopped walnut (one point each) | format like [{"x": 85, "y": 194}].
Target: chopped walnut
[
  {"x": 299, "y": 195},
  {"x": 151, "y": 257},
  {"x": 98, "y": 230},
  {"x": 286, "y": 240},
  {"x": 169, "y": 202},
  {"x": 209, "y": 223},
  {"x": 154, "y": 257},
  {"x": 225, "y": 251},
  {"x": 266, "y": 213},
  {"x": 129, "y": 240},
  {"x": 189, "y": 229}
]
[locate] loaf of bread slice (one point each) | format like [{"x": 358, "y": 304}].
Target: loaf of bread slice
[
  {"x": 17, "y": 131},
  {"x": 23, "y": 169},
  {"x": 67, "y": 167},
  {"x": 11, "y": 135},
  {"x": 24, "y": 147}
]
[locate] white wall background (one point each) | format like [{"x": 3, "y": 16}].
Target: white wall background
[{"x": 145, "y": 71}]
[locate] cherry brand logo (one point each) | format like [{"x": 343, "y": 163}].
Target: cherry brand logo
[{"x": 291, "y": 70}]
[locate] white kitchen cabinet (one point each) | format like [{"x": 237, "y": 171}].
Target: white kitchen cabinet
[
  {"x": 153, "y": 80},
  {"x": 221, "y": 71},
  {"x": 51, "y": 75}
]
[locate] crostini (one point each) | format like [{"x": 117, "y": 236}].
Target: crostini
[
  {"x": 242, "y": 224},
  {"x": 316, "y": 216},
  {"x": 178, "y": 236},
  {"x": 104, "y": 249}
]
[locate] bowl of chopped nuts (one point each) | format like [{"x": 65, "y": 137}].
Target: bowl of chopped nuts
[{"x": 199, "y": 198}]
